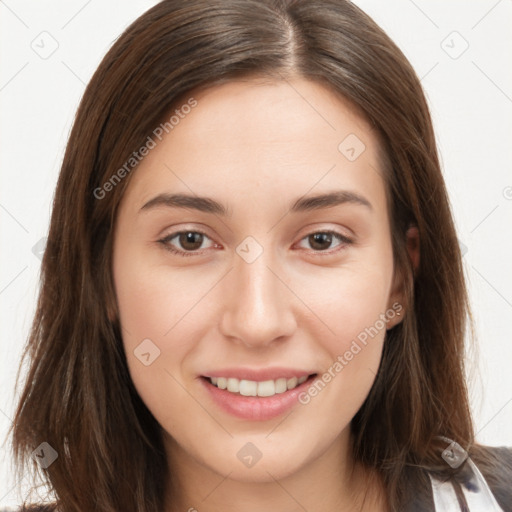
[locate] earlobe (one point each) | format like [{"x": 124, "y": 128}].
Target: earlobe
[
  {"x": 110, "y": 315},
  {"x": 111, "y": 308},
  {"x": 396, "y": 307},
  {"x": 397, "y": 295}
]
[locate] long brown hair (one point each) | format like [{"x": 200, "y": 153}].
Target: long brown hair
[{"x": 78, "y": 396}]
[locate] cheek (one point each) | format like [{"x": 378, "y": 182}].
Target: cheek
[
  {"x": 349, "y": 301},
  {"x": 152, "y": 308},
  {"x": 352, "y": 303},
  {"x": 154, "y": 324},
  {"x": 357, "y": 320},
  {"x": 153, "y": 300}
]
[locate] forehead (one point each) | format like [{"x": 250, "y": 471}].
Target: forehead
[{"x": 250, "y": 139}]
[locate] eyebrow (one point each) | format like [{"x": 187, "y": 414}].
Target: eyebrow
[{"x": 303, "y": 204}]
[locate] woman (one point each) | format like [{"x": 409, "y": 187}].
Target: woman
[{"x": 252, "y": 293}]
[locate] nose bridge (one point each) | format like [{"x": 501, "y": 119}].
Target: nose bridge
[{"x": 257, "y": 309}]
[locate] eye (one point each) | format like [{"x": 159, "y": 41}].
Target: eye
[
  {"x": 321, "y": 241},
  {"x": 188, "y": 242},
  {"x": 185, "y": 243}
]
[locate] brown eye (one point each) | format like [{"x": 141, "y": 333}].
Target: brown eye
[
  {"x": 190, "y": 240},
  {"x": 325, "y": 240},
  {"x": 320, "y": 241},
  {"x": 185, "y": 243}
]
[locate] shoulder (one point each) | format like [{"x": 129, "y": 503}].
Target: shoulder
[
  {"x": 495, "y": 464},
  {"x": 497, "y": 458}
]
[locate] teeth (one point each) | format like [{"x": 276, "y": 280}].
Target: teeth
[
  {"x": 233, "y": 385},
  {"x": 280, "y": 385},
  {"x": 253, "y": 388}
]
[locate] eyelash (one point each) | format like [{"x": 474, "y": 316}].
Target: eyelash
[{"x": 344, "y": 241}]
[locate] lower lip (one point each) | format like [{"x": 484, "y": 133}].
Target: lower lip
[{"x": 255, "y": 408}]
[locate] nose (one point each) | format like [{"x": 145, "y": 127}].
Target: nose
[{"x": 257, "y": 304}]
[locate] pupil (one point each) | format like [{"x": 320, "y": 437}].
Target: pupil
[
  {"x": 320, "y": 240},
  {"x": 191, "y": 238}
]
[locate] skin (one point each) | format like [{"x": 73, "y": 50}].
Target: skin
[{"x": 256, "y": 147}]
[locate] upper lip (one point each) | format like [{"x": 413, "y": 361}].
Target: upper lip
[{"x": 260, "y": 374}]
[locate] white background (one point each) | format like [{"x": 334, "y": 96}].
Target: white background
[{"x": 471, "y": 102}]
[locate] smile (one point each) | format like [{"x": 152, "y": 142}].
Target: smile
[
  {"x": 256, "y": 395},
  {"x": 254, "y": 388}
]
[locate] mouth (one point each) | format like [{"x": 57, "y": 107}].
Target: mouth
[
  {"x": 243, "y": 387},
  {"x": 256, "y": 400}
]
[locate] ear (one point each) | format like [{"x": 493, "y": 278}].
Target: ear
[
  {"x": 413, "y": 247},
  {"x": 111, "y": 307},
  {"x": 111, "y": 313},
  {"x": 397, "y": 295}
]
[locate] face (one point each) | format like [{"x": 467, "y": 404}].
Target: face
[{"x": 265, "y": 286}]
